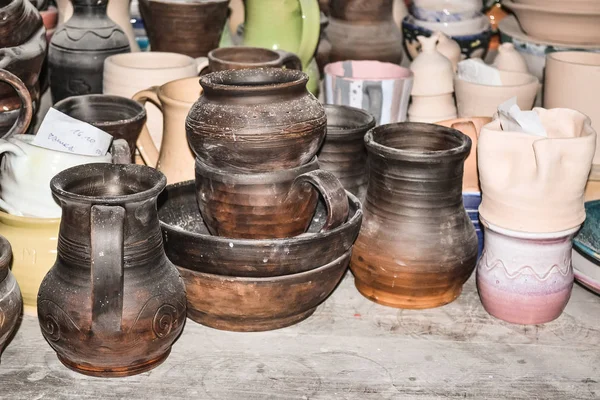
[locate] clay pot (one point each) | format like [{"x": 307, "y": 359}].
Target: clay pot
[
  {"x": 256, "y": 120},
  {"x": 226, "y": 58},
  {"x": 188, "y": 242},
  {"x": 525, "y": 278},
  {"x": 267, "y": 205},
  {"x": 509, "y": 59},
  {"x": 431, "y": 109},
  {"x": 174, "y": 100},
  {"x": 190, "y": 28},
  {"x": 431, "y": 63},
  {"x": 382, "y": 89},
  {"x": 364, "y": 30},
  {"x": 123, "y": 118},
  {"x": 533, "y": 183},
  {"x": 449, "y": 48},
  {"x": 79, "y": 47},
  {"x": 259, "y": 304},
  {"x": 343, "y": 152},
  {"x": 477, "y": 99},
  {"x": 34, "y": 242},
  {"x": 417, "y": 245},
  {"x": 124, "y": 320},
  {"x": 10, "y": 295}
]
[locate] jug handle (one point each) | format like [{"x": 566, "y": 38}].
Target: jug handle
[
  {"x": 333, "y": 193},
  {"x": 26, "y": 111},
  {"x": 289, "y": 60},
  {"x": 311, "y": 29},
  {"x": 145, "y": 144},
  {"x": 107, "y": 228},
  {"x": 121, "y": 154},
  {"x": 201, "y": 65}
]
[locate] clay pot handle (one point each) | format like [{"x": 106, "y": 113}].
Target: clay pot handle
[
  {"x": 107, "y": 226},
  {"x": 26, "y": 111},
  {"x": 289, "y": 60},
  {"x": 145, "y": 144},
  {"x": 311, "y": 30},
  {"x": 202, "y": 65},
  {"x": 121, "y": 154},
  {"x": 334, "y": 195}
]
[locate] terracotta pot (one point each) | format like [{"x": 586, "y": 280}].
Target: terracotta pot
[
  {"x": 364, "y": 30},
  {"x": 343, "y": 152},
  {"x": 226, "y": 58},
  {"x": 188, "y": 242},
  {"x": 190, "y": 28},
  {"x": 174, "y": 100},
  {"x": 124, "y": 320},
  {"x": 10, "y": 295},
  {"x": 533, "y": 183},
  {"x": 34, "y": 242},
  {"x": 50, "y": 20},
  {"x": 259, "y": 304},
  {"x": 414, "y": 198},
  {"x": 525, "y": 278},
  {"x": 470, "y": 127},
  {"x": 382, "y": 89},
  {"x": 79, "y": 47},
  {"x": 268, "y": 205},
  {"x": 256, "y": 120},
  {"x": 477, "y": 99}
]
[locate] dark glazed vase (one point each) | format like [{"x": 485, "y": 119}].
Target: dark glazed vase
[
  {"x": 256, "y": 120},
  {"x": 11, "y": 303},
  {"x": 78, "y": 50},
  {"x": 112, "y": 304},
  {"x": 364, "y": 30},
  {"x": 417, "y": 246}
]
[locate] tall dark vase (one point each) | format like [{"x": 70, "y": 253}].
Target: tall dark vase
[{"x": 78, "y": 50}]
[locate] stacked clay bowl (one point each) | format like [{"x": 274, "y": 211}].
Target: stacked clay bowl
[{"x": 253, "y": 284}]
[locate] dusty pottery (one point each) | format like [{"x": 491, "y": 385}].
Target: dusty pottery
[
  {"x": 449, "y": 49},
  {"x": 343, "y": 152},
  {"x": 188, "y": 242},
  {"x": 190, "y": 28},
  {"x": 33, "y": 242},
  {"x": 532, "y": 183},
  {"x": 525, "y": 278},
  {"x": 174, "y": 99},
  {"x": 15, "y": 122},
  {"x": 78, "y": 50},
  {"x": 266, "y": 120},
  {"x": 364, "y": 30},
  {"x": 259, "y": 304},
  {"x": 123, "y": 118},
  {"x": 509, "y": 59},
  {"x": 483, "y": 100},
  {"x": 431, "y": 109},
  {"x": 382, "y": 89},
  {"x": 226, "y": 58},
  {"x": 586, "y": 249},
  {"x": 277, "y": 204},
  {"x": 10, "y": 295},
  {"x": 124, "y": 321},
  {"x": 414, "y": 198}
]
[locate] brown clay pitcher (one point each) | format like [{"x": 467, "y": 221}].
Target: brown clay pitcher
[
  {"x": 112, "y": 304},
  {"x": 226, "y": 58}
]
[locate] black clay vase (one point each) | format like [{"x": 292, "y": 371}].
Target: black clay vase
[{"x": 78, "y": 50}]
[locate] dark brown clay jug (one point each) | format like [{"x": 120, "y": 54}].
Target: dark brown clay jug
[
  {"x": 11, "y": 303},
  {"x": 256, "y": 120},
  {"x": 417, "y": 246},
  {"x": 364, "y": 30},
  {"x": 113, "y": 304}
]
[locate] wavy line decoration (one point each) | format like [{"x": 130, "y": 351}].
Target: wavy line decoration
[{"x": 497, "y": 263}]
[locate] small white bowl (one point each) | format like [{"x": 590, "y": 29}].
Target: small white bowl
[{"x": 458, "y": 28}]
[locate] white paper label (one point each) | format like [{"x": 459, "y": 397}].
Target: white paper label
[
  {"x": 61, "y": 132},
  {"x": 476, "y": 71},
  {"x": 513, "y": 119}
]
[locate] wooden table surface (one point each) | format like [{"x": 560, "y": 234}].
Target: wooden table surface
[{"x": 350, "y": 348}]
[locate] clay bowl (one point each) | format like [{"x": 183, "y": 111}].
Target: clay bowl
[{"x": 188, "y": 243}]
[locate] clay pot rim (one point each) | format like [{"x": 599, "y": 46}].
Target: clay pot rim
[
  {"x": 462, "y": 148},
  {"x": 258, "y": 178},
  {"x": 269, "y": 280},
  {"x": 511, "y": 5},
  {"x": 164, "y": 98},
  {"x": 157, "y": 180},
  {"x": 532, "y": 81},
  {"x": 262, "y": 243},
  {"x": 528, "y": 235},
  {"x": 215, "y": 55},
  {"x": 448, "y": 122},
  {"x": 6, "y": 218},
  {"x": 348, "y": 133},
  {"x": 121, "y": 61},
  {"x": 119, "y": 102},
  {"x": 407, "y": 74},
  {"x": 559, "y": 57},
  {"x": 215, "y": 82}
]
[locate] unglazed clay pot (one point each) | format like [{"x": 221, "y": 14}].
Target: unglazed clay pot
[
  {"x": 256, "y": 120},
  {"x": 113, "y": 304},
  {"x": 226, "y": 58},
  {"x": 382, "y": 89},
  {"x": 449, "y": 49},
  {"x": 364, "y": 30},
  {"x": 532, "y": 183},
  {"x": 277, "y": 204},
  {"x": 509, "y": 59},
  {"x": 10, "y": 295},
  {"x": 343, "y": 152},
  {"x": 483, "y": 100},
  {"x": 525, "y": 278},
  {"x": 417, "y": 245}
]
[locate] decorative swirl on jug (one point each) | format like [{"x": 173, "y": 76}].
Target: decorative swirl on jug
[
  {"x": 52, "y": 317},
  {"x": 50, "y": 327},
  {"x": 165, "y": 319}
]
